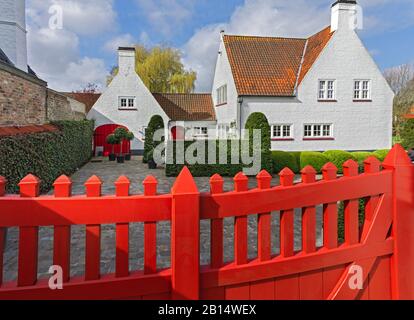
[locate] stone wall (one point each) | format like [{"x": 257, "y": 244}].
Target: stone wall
[
  {"x": 22, "y": 98},
  {"x": 25, "y": 100}
]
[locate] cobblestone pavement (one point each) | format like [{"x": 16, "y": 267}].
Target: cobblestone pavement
[{"x": 136, "y": 172}]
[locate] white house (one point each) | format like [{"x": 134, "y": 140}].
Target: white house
[{"x": 319, "y": 93}]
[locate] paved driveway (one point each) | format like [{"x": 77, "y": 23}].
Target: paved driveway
[{"x": 136, "y": 171}]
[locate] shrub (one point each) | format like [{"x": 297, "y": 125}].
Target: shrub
[
  {"x": 315, "y": 159},
  {"x": 338, "y": 158},
  {"x": 381, "y": 154},
  {"x": 283, "y": 160},
  {"x": 341, "y": 218},
  {"x": 362, "y": 156},
  {"x": 258, "y": 121},
  {"x": 156, "y": 123},
  {"x": 47, "y": 155},
  {"x": 112, "y": 140},
  {"x": 407, "y": 134}
]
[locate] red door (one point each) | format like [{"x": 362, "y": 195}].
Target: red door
[
  {"x": 177, "y": 133},
  {"x": 100, "y": 139}
]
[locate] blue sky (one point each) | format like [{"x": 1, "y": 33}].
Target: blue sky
[{"x": 84, "y": 50}]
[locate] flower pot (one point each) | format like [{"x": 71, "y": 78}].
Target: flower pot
[
  {"x": 128, "y": 157},
  {"x": 120, "y": 159},
  {"x": 152, "y": 164},
  {"x": 112, "y": 157}
]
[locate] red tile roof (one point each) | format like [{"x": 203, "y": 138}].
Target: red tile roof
[
  {"x": 88, "y": 99},
  {"x": 187, "y": 107},
  {"x": 270, "y": 66},
  {"x": 13, "y": 131}
]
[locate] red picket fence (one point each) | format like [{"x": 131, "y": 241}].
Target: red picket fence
[{"x": 383, "y": 248}]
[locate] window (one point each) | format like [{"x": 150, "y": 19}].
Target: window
[
  {"x": 223, "y": 131},
  {"x": 127, "y": 103},
  {"x": 326, "y": 90},
  {"x": 318, "y": 131},
  {"x": 282, "y": 131},
  {"x": 200, "y": 132},
  {"x": 362, "y": 90},
  {"x": 222, "y": 95}
]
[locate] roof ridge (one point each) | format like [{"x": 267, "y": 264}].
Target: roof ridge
[{"x": 264, "y": 37}]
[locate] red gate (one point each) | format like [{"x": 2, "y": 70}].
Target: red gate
[
  {"x": 100, "y": 135},
  {"x": 382, "y": 249}
]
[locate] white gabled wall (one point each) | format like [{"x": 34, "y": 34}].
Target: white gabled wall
[
  {"x": 127, "y": 83},
  {"x": 223, "y": 75},
  {"x": 356, "y": 125}
]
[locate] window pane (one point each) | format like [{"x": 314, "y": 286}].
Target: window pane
[
  {"x": 277, "y": 131},
  {"x": 327, "y": 130},
  {"x": 317, "y": 131},
  {"x": 286, "y": 131},
  {"x": 308, "y": 130}
]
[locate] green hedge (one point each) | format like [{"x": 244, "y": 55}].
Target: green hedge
[
  {"x": 407, "y": 134},
  {"x": 207, "y": 170},
  {"x": 315, "y": 159},
  {"x": 283, "y": 160},
  {"x": 156, "y": 123},
  {"x": 381, "y": 154},
  {"x": 362, "y": 156},
  {"x": 341, "y": 218},
  {"x": 47, "y": 155},
  {"x": 338, "y": 158}
]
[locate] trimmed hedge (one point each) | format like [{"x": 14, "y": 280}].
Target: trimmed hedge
[
  {"x": 338, "y": 158},
  {"x": 407, "y": 134},
  {"x": 155, "y": 124},
  {"x": 207, "y": 170},
  {"x": 341, "y": 218},
  {"x": 362, "y": 156},
  {"x": 283, "y": 160},
  {"x": 381, "y": 154},
  {"x": 47, "y": 155},
  {"x": 315, "y": 159}
]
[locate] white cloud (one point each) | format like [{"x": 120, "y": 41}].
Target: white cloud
[
  {"x": 167, "y": 16},
  {"x": 55, "y": 54},
  {"x": 124, "y": 40}
]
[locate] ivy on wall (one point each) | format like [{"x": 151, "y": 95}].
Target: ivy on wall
[{"x": 46, "y": 155}]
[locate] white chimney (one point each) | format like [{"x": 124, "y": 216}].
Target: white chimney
[
  {"x": 126, "y": 60},
  {"x": 344, "y": 15},
  {"x": 13, "y": 32}
]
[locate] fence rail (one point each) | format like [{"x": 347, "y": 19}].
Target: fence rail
[{"x": 383, "y": 247}]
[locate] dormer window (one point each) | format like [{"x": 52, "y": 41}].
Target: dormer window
[
  {"x": 326, "y": 90},
  {"x": 126, "y": 103}
]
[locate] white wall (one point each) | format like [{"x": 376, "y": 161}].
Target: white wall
[
  {"x": 356, "y": 125},
  {"x": 227, "y": 113},
  {"x": 127, "y": 83},
  {"x": 13, "y": 32}
]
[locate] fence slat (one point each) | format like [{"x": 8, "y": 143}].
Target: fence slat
[
  {"x": 61, "y": 237},
  {"x": 240, "y": 224},
  {"x": 150, "y": 231},
  {"x": 308, "y": 215},
  {"x": 28, "y": 238},
  {"x": 286, "y": 218},
  {"x": 93, "y": 235},
  {"x": 216, "y": 228},
  {"x": 330, "y": 212},
  {"x": 3, "y": 182},
  {"x": 351, "y": 208},
  {"x": 264, "y": 249},
  {"x": 122, "y": 233},
  {"x": 371, "y": 165}
]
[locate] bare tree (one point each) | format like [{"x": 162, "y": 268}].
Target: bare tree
[
  {"x": 89, "y": 88},
  {"x": 399, "y": 77}
]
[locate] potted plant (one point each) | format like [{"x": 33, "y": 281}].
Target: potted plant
[
  {"x": 112, "y": 140},
  {"x": 121, "y": 134},
  {"x": 151, "y": 162},
  {"x": 129, "y": 137}
]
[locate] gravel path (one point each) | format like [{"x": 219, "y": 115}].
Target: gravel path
[{"x": 136, "y": 171}]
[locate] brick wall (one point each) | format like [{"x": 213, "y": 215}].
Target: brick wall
[{"x": 23, "y": 100}]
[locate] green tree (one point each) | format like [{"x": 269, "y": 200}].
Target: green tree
[
  {"x": 161, "y": 70},
  {"x": 407, "y": 134},
  {"x": 156, "y": 123}
]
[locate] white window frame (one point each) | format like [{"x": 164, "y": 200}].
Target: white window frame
[
  {"x": 323, "y": 92},
  {"x": 282, "y": 134},
  {"x": 198, "y": 132},
  {"x": 362, "y": 92},
  {"x": 318, "y": 130},
  {"x": 127, "y": 105},
  {"x": 222, "y": 95}
]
